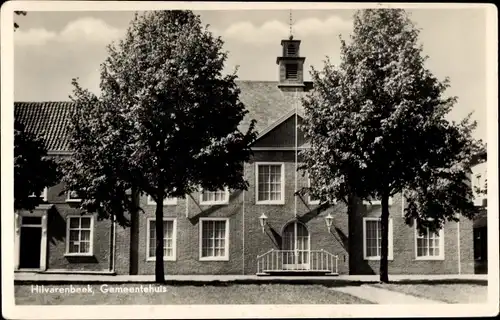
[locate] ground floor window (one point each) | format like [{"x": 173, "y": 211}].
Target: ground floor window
[
  {"x": 372, "y": 239},
  {"x": 429, "y": 245},
  {"x": 79, "y": 239},
  {"x": 169, "y": 239},
  {"x": 214, "y": 239}
]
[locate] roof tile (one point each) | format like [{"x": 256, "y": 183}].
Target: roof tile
[{"x": 264, "y": 100}]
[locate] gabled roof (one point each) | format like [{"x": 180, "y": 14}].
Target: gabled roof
[
  {"x": 266, "y": 103},
  {"x": 264, "y": 100},
  {"x": 284, "y": 118},
  {"x": 47, "y": 120}
]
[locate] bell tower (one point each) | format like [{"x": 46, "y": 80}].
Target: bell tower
[{"x": 290, "y": 63}]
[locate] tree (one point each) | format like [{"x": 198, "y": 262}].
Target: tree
[
  {"x": 33, "y": 170},
  {"x": 377, "y": 128},
  {"x": 19, "y": 13},
  {"x": 165, "y": 124}
]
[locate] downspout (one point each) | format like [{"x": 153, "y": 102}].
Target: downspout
[
  {"x": 458, "y": 248},
  {"x": 296, "y": 156},
  {"x": 187, "y": 206},
  {"x": 113, "y": 263},
  {"x": 243, "y": 231}
]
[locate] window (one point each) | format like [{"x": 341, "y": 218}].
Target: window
[
  {"x": 73, "y": 196},
  {"x": 214, "y": 239},
  {"x": 79, "y": 235},
  {"x": 312, "y": 200},
  {"x": 376, "y": 202},
  {"x": 291, "y": 71},
  {"x": 291, "y": 49},
  {"x": 429, "y": 246},
  {"x": 43, "y": 195},
  {"x": 166, "y": 201},
  {"x": 169, "y": 239},
  {"x": 214, "y": 197},
  {"x": 270, "y": 183},
  {"x": 372, "y": 239}
]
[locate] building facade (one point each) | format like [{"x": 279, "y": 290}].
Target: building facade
[{"x": 267, "y": 229}]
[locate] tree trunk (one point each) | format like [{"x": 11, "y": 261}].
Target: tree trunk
[
  {"x": 159, "y": 268},
  {"x": 384, "y": 221}
]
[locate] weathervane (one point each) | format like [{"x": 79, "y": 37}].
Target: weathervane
[{"x": 291, "y": 24}]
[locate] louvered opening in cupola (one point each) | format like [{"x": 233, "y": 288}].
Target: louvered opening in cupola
[{"x": 291, "y": 71}]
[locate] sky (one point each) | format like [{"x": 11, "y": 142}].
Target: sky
[{"x": 51, "y": 48}]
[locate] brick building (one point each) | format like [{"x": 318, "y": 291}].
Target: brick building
[{"x": 266, "y": 229}]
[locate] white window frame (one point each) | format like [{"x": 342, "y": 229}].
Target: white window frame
[
  {"x": 78, "y": 254},
  {"x": 226, "y": 241},
  {"x": 69, "y": 199},
  {"x": 313, "y": 202},
  {"x": 174, "y": 240},
  {"x": 166, "y": 201},
  {"x": 376, "y": 202},
  {"x": 441, "y": 245},
  {"x": 390, "y": 246},
  {"x": 225, "y": 201},
  {"x": 43, "y": 195},
  {"x": 270, "y": 202}
]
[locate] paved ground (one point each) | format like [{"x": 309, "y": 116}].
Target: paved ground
[
  {"x": 21, "y": 277},
  {"x": 446, "y": 292},
  {"x": 383, "y": 296}
]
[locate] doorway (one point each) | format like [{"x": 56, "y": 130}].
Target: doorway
[
  {"x": 31, "y": 241},
  {"x": 296, "y": 246}
]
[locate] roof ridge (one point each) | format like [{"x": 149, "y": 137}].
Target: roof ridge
[{"x": 46, "y": 101}]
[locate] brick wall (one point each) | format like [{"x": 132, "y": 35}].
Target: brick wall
[
  {"x": 404, "y": 251},
  {"x": 257, "y": 242},
  {"x": 188, "y": 236},
  {"x": 56, "y": 237}
]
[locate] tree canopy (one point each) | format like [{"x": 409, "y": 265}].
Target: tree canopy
[
  {"x": 377, "y": 125},
  {"x": 165, "y": 124},
  {"x": 33, "y": 170}
]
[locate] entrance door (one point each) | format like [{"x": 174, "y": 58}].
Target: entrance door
[
  {"x": 30, "y": 243},
  {"x": 296, "y": 247}
]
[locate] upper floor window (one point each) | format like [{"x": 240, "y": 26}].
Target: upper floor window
[
  {"x": 43, "y": 195},
  {"x": 166, "y": 202},
  {"x": 312, "y": 200},
  {"x": 270, "y": 184},
  {"x": 214, "y": 197},
  {"x": 73, "y": 196},
  {"x": 376, "y": 202}
]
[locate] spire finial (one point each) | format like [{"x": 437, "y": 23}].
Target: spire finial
[{"x": 291, "y": 24}]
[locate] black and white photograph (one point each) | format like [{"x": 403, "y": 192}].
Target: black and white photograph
[{"x": 215, "y": 160}]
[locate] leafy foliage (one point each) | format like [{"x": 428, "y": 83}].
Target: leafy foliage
[
  {"x": 33, "y": 170},
  {"x": 165, "y": 124},
  {"x": 377, "y": 126},
  {"x": 19, "y": 13}
]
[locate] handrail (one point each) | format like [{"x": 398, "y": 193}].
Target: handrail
[{"x": 297, "y": 260}]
